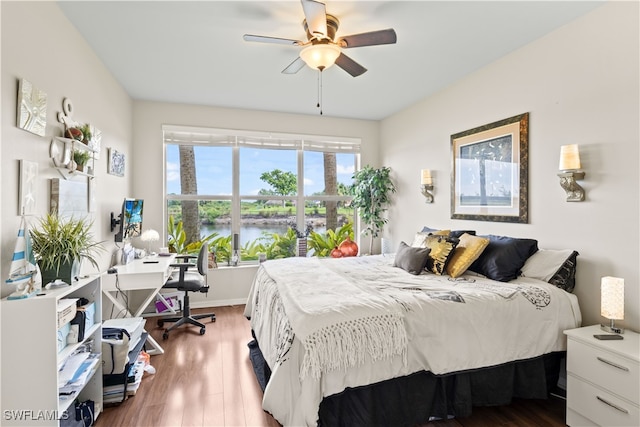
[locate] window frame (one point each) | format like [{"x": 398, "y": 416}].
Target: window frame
[{"x": 203, "y": 136}]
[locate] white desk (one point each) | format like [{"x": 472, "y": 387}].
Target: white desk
[{"x": 146, "y": 274}]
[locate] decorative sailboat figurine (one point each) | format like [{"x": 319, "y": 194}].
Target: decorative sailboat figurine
[{"x": 24, "y": 271}]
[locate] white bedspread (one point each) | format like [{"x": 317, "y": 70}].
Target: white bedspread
[{"x": 449, "y": 325}]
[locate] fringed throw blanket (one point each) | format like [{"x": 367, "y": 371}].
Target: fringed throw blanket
[{"x": 340, "y": 322}]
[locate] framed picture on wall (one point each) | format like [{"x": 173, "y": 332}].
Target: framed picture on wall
[
  {"x": 32, "y": 108},
  {"x": 115, "y": 162},
  {"x": 489, "y": 171},
  {"x": 28, "y": 181}
]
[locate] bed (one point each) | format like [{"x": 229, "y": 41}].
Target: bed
[{"x": 367, "y": 341}]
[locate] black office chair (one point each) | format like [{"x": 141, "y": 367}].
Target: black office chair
[{"x": 189, "y": 281}]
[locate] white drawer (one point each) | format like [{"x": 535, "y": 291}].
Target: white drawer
[
  {"x": 608, "y": 370},
  {"x": 599, "y": 406}
]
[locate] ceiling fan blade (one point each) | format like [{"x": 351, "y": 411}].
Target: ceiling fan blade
[
  {"x": 349, "y": 65},
  {"x": 315, "y": 14},
  {"x": 294, "y": 67},
  {"x": 266, "y": 39},
  {"x": 371, "y": 38}
]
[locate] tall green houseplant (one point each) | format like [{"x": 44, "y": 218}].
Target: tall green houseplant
[{"x": 371, "y": 190}]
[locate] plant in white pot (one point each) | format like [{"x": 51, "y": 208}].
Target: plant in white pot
[
  {"x": 60, "y": 244},
  {"x": 371, "y": 192}
]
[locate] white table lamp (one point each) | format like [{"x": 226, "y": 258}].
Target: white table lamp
[
  {"x": 149, "y": 236},
  {"x": 612, "y": 302}
]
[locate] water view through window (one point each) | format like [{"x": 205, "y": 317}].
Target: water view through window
[{"x": 262, "y": 189}]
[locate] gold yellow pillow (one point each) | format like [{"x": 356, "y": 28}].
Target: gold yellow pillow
[{"x": 468, "y": 250}]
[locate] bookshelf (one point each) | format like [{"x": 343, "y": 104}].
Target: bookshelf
[{"x": 31, "y": 360}]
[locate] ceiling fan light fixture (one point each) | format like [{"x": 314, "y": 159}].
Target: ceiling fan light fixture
[{"x": 320, "y": 56}]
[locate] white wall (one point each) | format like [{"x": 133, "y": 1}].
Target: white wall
[
  {"x": 226, "y": 284},
  {"x": 580, "y": 85},
  {"x": 40, "y": 45}
]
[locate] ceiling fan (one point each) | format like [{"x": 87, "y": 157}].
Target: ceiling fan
[{"x": 322, "y": 49}]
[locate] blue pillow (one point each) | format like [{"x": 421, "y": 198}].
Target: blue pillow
[{"x": 504, "y": 257}]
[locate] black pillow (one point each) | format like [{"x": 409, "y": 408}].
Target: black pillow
[
  {"x": 504, "y": 257},
  {"x": 565, "y": 277},
  {"x": 413, "y": 260}
]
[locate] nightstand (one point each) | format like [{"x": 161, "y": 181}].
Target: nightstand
[{"x": 603, "y": 379}]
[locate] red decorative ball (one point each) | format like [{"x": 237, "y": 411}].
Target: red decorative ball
[{"x": 348, "y": 247}]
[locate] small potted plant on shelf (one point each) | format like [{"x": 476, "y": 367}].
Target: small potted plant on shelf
[
  {"x": 60, "y": 244},
  {"x": 81, "y": 157},
  {"x": 86, "y": 133}
]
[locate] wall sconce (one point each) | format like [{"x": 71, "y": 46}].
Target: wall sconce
[
  {"x": 569, "y": 167},
  {"x": 612, "y": 303},
  {"x": 426, "y": 185}
]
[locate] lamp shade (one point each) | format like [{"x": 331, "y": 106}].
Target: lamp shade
[
  {"x": 425, "y": 177},
  {"x": 149, "y": 236},
  {"x": 612, "y": 298},
  {"x": 569, "y": 157},
  {"x": 320, "y": 56}
]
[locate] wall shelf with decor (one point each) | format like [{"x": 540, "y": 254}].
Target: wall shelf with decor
[{"x": 62, "y": 152}]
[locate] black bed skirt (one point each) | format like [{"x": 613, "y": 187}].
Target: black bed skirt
[{"x": 421, "y": 396}]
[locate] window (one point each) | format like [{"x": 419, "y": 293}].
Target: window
[{"x": 256, "y": 186}]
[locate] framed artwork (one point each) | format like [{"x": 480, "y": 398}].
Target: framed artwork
[
  {"x": 91, "y": 186},
  {"x": 95, "y": 142},
  {"x": 27, "y": 191},
  {"x": 32, "y": 108},
  {"x": 116, "y": 162},
  {"x": 489, "y": 172},
  {"x": 69, "y": 198}
]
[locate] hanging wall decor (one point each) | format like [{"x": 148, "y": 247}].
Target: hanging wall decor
[
  {"x": 489, "y": 179},
  {"x": 32, "y": 108},
  {"x": 116, "y": 162},
  {"x": 28, "y": 179}
]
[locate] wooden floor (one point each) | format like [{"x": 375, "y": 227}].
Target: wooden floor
[{"x": 207, "y": 380}]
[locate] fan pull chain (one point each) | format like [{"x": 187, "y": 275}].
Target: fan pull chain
[{"x": 319, "y": 104}]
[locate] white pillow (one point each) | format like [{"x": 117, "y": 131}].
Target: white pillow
[{"x": 545, "y": 263}]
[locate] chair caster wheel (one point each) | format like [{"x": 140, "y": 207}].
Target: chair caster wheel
[
  {"x": 213, "y": 318},
  {"x": 202, "y": 331},
  {"x": 160, "y": 323},
  {"x": 165, "y": 335}
]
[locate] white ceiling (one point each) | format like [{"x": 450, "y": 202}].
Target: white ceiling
[{"x": 193, "y": 52}]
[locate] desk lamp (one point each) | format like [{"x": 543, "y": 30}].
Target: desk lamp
[{"x": 149, "y": 236}]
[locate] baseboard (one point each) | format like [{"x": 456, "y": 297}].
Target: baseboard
[{"x": 218, "y": 303}]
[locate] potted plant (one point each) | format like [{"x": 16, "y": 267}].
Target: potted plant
[
  {"x": 371, "y": 192},
  {"x": 81, "y": 157},
  {"x": 60, "y": 244},
  {"x": 86, "y": 133}
]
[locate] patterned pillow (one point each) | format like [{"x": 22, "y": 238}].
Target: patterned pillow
[
  {"x": 410, "y": 259},
  {"x": 565, "y": 277},
  {"x": 557, "y": 267},
  {"x": 441, "y": 252},
  {"x": 468, "y": 250}
]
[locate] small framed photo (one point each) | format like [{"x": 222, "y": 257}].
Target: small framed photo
[{"x": 116, "y": 162}]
